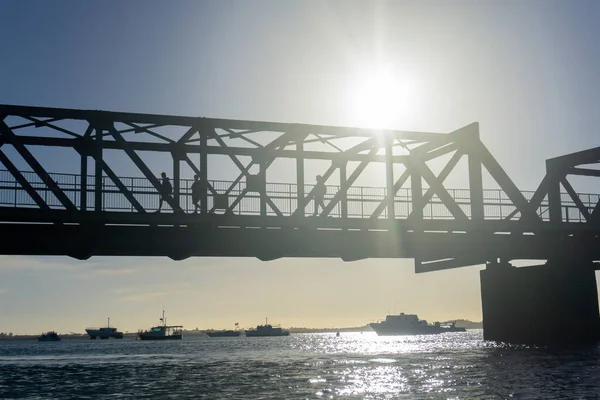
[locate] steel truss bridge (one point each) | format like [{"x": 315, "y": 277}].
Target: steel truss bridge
[{"x": 86, "y": 182}]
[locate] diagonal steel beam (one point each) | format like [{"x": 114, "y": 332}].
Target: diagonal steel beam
[
  {"x": 236, "y": 201},
  {"x": 273, "y": 206},
  {"x": 344, "y": 189},
  {"x": 304, "y": 202},
  {"x": 584, "y": 171},
  {"x": 38, "y": 123},
  {"x": 441, "y": 178},
  {"x": 23, "y": 182},
  {"x": 139, "y": 129},
  {"x": 143, "y": 167},
  {"x": 399, "y": 182},
  {"x": 36, "y": 166},
  {"x": 426, "y": 152},
  {"x": 235, "y": 135},
  {"x": 595, "y": 216},
  {"x": 582, "y": 208},
  {"x": 506, "y": 184},
  {"x": 438, "y": 187},
  {"x": 196, "y": 170},
  {"x": 279, "y": 142},
  {"x": 536, "y": 199}
]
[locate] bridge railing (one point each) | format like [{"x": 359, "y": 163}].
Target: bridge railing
[{"x": 361, "y": 201}]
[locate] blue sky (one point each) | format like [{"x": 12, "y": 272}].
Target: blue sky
[{"x": 526, "y": 71}]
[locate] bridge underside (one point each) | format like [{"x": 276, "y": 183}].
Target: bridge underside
[{"x": 82, "y": 235}]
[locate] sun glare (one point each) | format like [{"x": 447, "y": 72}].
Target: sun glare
[{"x": 380, "y": 99}]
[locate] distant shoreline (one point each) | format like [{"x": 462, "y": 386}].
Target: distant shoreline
[{"x": 131, "y": 335}]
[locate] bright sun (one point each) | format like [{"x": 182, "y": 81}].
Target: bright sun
[{"x": 380, "y": 99}]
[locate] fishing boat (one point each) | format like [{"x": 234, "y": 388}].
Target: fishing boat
[
  {"x": 162, "y": 331},
  {"x": 104, "y": 333},
  {"x": 225, "y": 333},
  {"x": 50, "y": 336}
]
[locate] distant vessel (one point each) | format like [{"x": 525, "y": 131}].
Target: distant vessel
[
  {"x": 49, "y": 337},
  {"x": 266, "y": 330},
  {"x": 225, "y": 333},
  {"x": 162, "y": 332},
  {"x": 104, "y": 333},
  {"x": 410, "y": 324}
]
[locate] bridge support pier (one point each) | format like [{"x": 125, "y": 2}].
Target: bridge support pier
[{"x": 546, "y": 304}]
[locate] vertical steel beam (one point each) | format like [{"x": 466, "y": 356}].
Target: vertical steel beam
[
  {"x": 389, "y": 176},
  {"x": 475, "y": 182},
  {"x": 98, "y": 170},
  {"x": 343, "y": 183},
  {"x": 176, "y": 177},
  {"x": 416, "y": 189},
  {"x": 554, "y": 202},
  {"x": 262, "y": 173},
  {"x": 203, "y": 170},
  {"x": 83, "y": 180},
  {"x": 300, "y": 175},
  {"x": 553, "y": 170}
]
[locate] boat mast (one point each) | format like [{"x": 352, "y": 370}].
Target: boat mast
[{"x": 108, "y": 322}]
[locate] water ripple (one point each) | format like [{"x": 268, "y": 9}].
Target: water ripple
[{"x": 304, "y": 366}]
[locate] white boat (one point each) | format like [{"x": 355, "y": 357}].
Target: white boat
[
  {"x": 410, "y": 324},
  {"x": 104, "y": 333}
]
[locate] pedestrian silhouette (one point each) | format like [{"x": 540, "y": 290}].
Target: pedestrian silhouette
[
  {"x": 165, "y": 190},
  {"x": 319, "y": 194},
  {"x": 196, "y": 192}
]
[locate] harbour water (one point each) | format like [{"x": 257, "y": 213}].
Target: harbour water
[{"x": 300, "y": 366}]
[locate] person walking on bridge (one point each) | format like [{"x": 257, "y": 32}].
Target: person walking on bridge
[
  {"x": 165, "y": 190},
  {"x": 197, "y": 187},
  {"x": 319, "y": 191}
]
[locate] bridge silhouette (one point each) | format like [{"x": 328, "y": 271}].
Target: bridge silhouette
[{"x": 96, "y": 206}]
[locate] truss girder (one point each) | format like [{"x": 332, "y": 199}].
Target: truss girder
[{"x": 181, "y": 137}]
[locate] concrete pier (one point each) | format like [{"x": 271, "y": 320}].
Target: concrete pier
[{"x": 546, "y": 304}]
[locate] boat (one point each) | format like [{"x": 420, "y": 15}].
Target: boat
[
  {"x": 162, "y": 331},
  {"x": 227, "y": 333},
  {"x": 50, "y": 336},
  {"x": 266, "y": 330},
  {"x": 410, "y": 324},
  {"x": 104, "y": 333}
]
